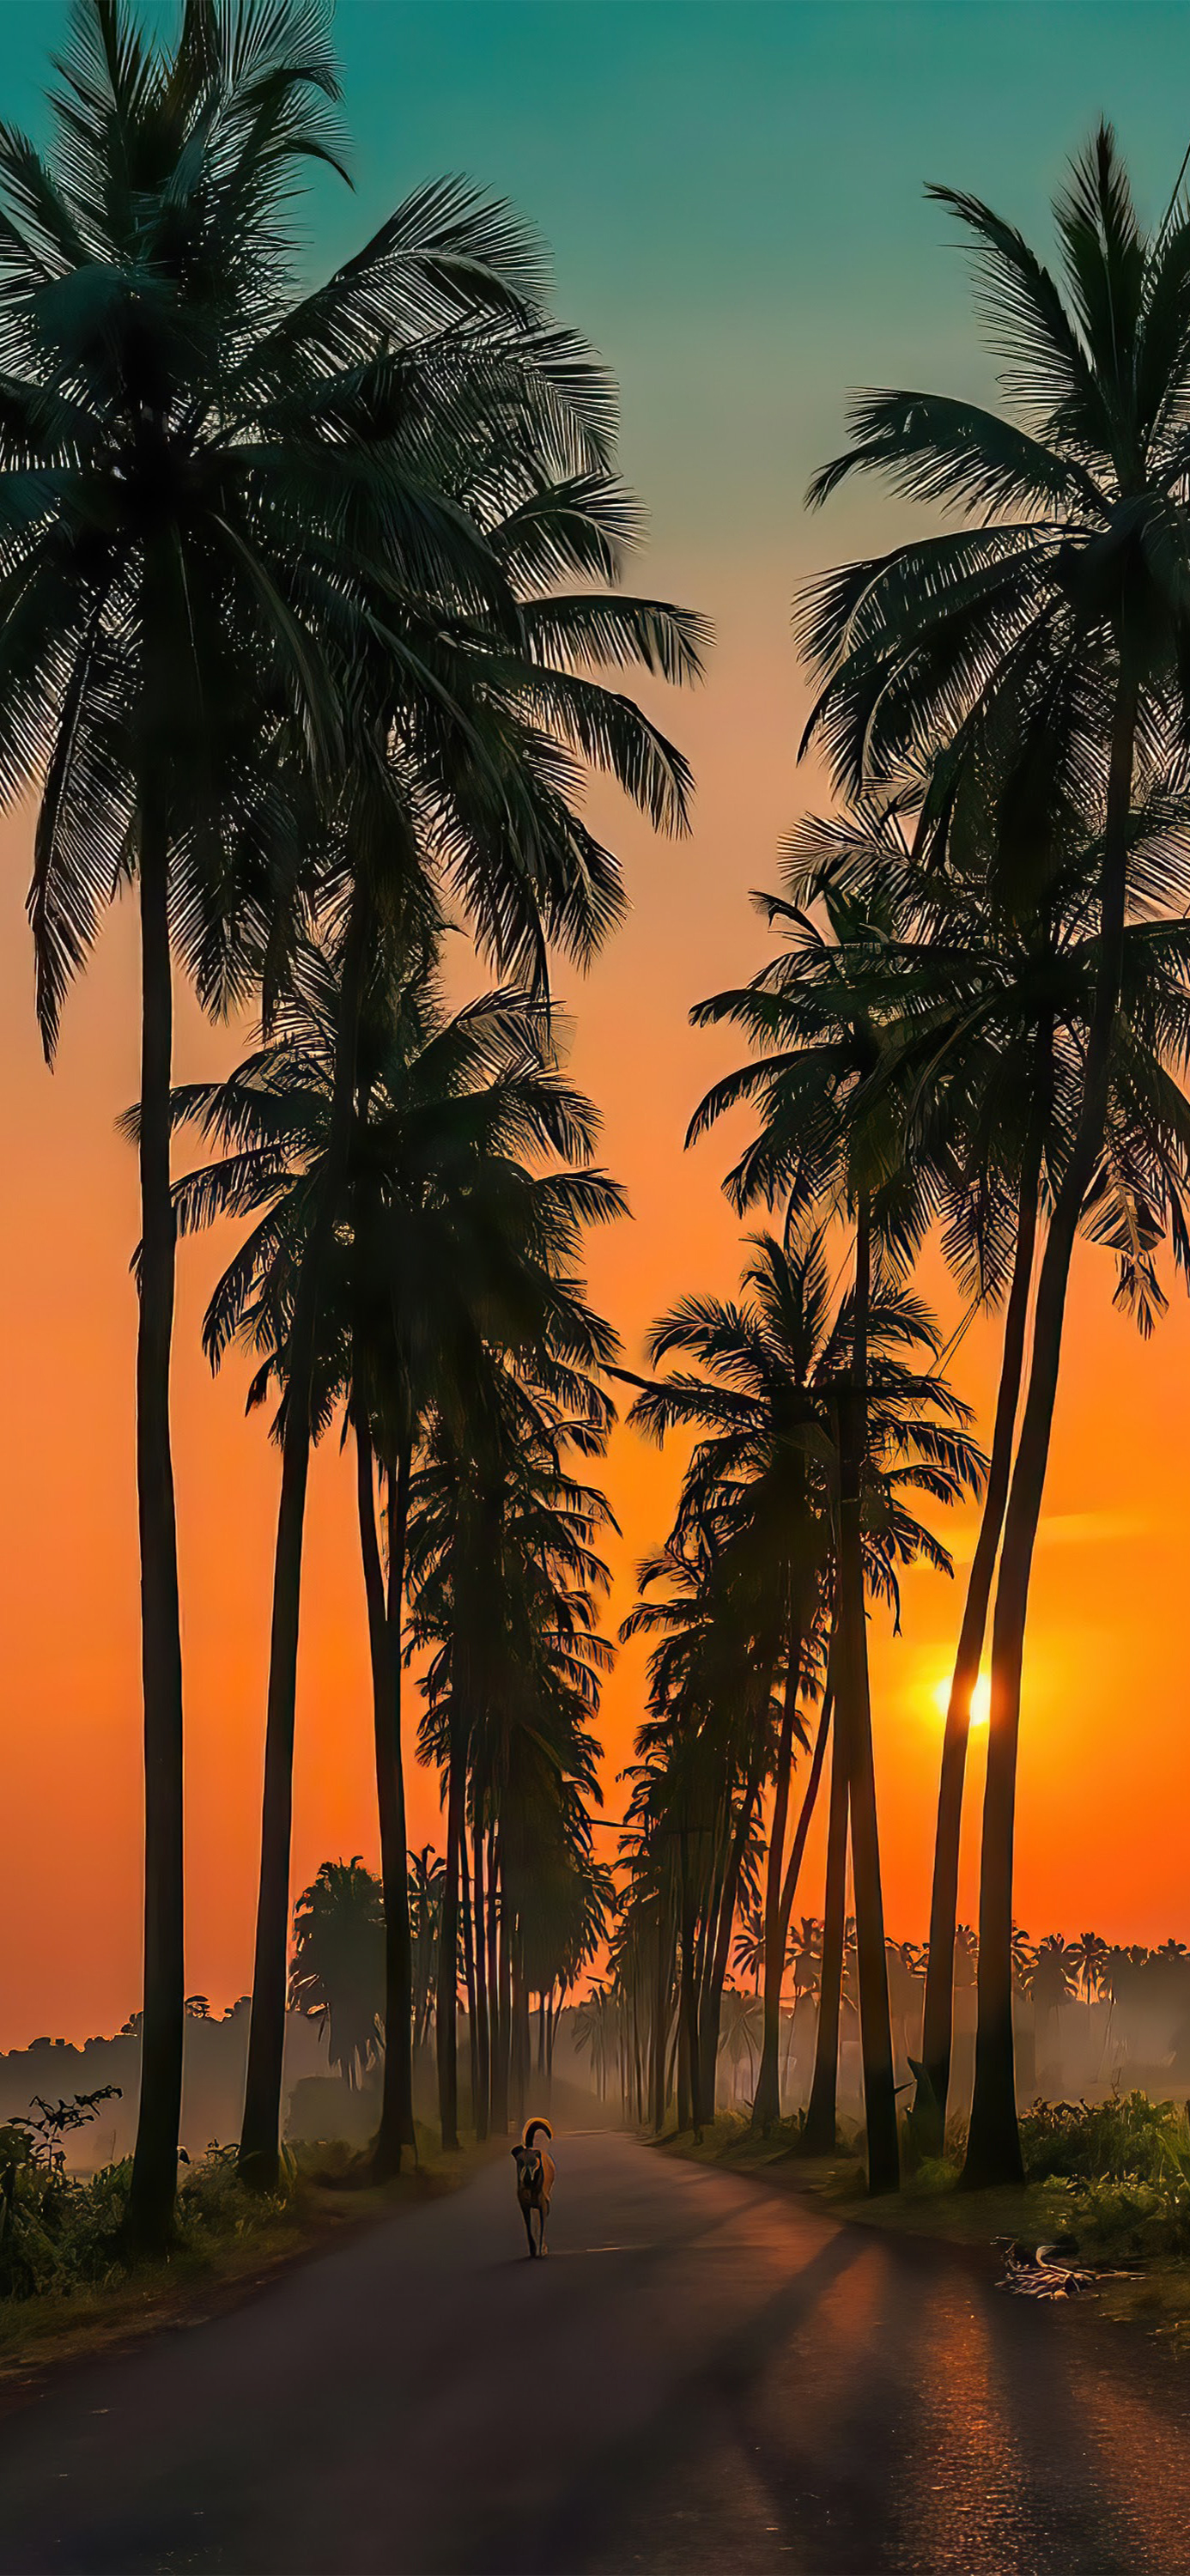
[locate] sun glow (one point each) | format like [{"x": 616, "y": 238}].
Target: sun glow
[{"x": 981, "y": 1698}]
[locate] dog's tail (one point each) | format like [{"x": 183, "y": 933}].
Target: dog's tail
[{"x": 531, "y": 2129}]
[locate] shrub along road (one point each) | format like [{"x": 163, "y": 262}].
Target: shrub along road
[{"x": 704, "y": 2374}]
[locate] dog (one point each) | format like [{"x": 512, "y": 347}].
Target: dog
[{"x": 534, "y": 2181}]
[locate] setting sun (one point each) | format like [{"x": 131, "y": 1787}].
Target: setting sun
[{"x": 981, "y": 1698}]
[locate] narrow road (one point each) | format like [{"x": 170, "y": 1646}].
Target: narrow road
[{"x": 704, "y": 2375}]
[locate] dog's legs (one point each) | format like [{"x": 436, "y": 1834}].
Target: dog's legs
[
  {"x": 541, "y": 2218},
  {"x": 527, "y": 2215}
]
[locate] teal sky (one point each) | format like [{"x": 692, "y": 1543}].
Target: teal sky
[{"x": 732, "y": 189}]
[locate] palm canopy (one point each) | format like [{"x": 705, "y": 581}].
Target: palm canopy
[
  {"x": 458, "y": 1218},
  {"x": 337, "y": 1972},
  {"x": 1004, "y": 641},
  {"x": 505, "y": 1579},
  {"x": 763, "y": 1473},
  {"x": 983, "y": 1013},
  {"x": 215, "y": 490}
]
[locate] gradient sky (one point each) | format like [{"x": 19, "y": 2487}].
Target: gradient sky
[{"x": 733, "y": 195}]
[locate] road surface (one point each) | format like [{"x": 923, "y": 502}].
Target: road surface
[{"x": 705, "y": 2374}]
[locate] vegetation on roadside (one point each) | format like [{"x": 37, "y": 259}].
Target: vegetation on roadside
[
  {"x": 67, "y": 2284},
  {"x": 1107, "y": 2182}
]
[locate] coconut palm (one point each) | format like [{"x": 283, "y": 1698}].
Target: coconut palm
[
  {"x": 831, "y": 1136},
  {"x": 1033, "y": 653},
  {"x": 462, "y": 788},
  {"x": 195, "y": 462},
  {"x": 504, "y": 1579},
  {"x": 443, "y": 1236},
  {"x": 337, "y": 1974},
  {"x": 764, "y": 1401},
  {"x": 985, "y": 1015},
  {"x": 704, "y": 1752}
]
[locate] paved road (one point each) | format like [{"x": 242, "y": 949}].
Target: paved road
[{"x": 704, "y": 2375}]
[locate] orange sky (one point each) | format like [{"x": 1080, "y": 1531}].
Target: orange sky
[{"x": 1106, "y": 1764}]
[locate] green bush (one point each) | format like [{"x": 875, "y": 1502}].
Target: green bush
[
  {"x": 1125, "y": 2164},
  {"x": 1127, "y": 2138},
  {"x": 59, "y": 2234}
]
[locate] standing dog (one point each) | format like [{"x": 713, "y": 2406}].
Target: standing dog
[{"x": 534, "y": 2181}]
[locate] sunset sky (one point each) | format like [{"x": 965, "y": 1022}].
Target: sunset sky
[{"x": 733, "y": 196}]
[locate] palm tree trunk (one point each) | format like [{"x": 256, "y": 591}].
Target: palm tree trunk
[
  {"x": 258, "y": 2158},
  {"x": 688, "y": 1993},
  {"x": 818, "y": 2135},
  {"x": 498, "y": 2111},
  {"x": 854, "y": 1730},
  {"x": 482, "y": 2020},
  {"x": 384, "y": 1632},
  {"x": 149, "y": 2221},
  {"x": 766, "y": 2106},
  {"x": 938, "y": 2011},
  {"x": 469, "y": 1975},
  {"x": 993, "y": 2145},
  {"x": 719, "y": 1950},
  {"x": 448, "y": 1956},
  {"x": 809, "y": 1802},
  {"x": 659, "y": 2035}
]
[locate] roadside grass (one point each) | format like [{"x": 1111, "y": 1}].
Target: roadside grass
[
  {"x": 1107, "y": 2183},
  {"x": 65, "y": 2293}
]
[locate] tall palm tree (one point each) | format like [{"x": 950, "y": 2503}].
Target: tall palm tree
[
  {"x": 984, "y": 1015},
  {"x": 1036, "y": 650},
  {"x": 444, "y": 1234},
  {"x": 337, "y": 1974},
  {"x": 466, "y": 757},
  {"x": 704, "y": 1752},
  {"x": 818, "y": 1032},
  {"x": 194, "y": 464},
  {"x": 504, "y": 1579}
]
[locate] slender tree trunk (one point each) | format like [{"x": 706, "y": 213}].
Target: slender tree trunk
[
  {"x": 683, "y": 2086},
  {"x": 993, "y": 2145},
  {"x": 482, "y": 2021},
  {"x": 469, "y": 1975},
  {"x": 659, "y": 2035},
  {"x": 688, "y": 1994},
  {"x": 720, "y": 1950},
  {"x": 854, "y": 1731},
  {"x": 766, "y": 2104},
  {"x": 818, "y": 2136},
  {"x": 448, "y": 1955},
  {"x": 772, "y": 2039},
  {"x": 498, "y": 2013},
  {"x": 938, "y": 2012},
  {"x": 258, "y": 2159},
  {"x": 507, "y": 2027},
  {"x": 809, "y": 1802},
  {"x": 384, "y": 1633},
  {"x": 149, "y": 2221}
]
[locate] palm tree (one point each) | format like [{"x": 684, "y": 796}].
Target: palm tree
[
  {"x": 704, "y": 1752},
  {"x": 1034, "y": 652},
  {"x": 757, "y": 1358},
  {"x": 442, "y": 1236},
  {"x": 426, "y": 1873},
  {"x": 985, "y": 1017},
  {"x": 817, "y": 1019},
  {"x": 194, "y": 462},
  {"x": 462, "y": 787},
  {"x": 1052, "y": 1982},
  {"x": 337, "y": 1975},
  {"x": 504, "y": 1579}
]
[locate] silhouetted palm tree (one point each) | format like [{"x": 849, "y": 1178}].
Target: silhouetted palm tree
[
  {"x": 1035, "y": 655},
  {"x": 195, "y": 463},
  {"x": 337, "y": 1974}
]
